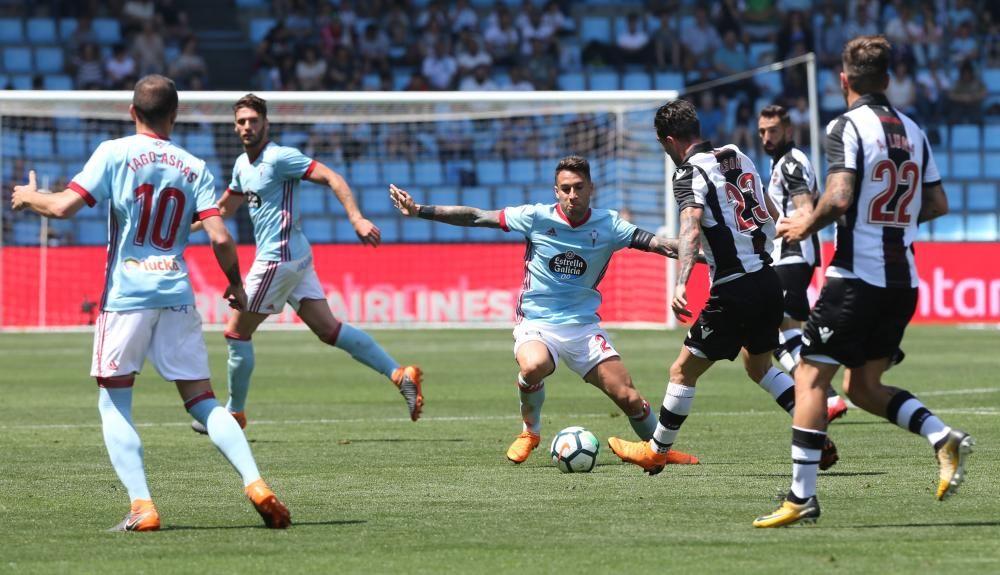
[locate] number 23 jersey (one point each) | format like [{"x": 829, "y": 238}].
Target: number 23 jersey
[
  {"x": 564, "y": 261},
  {"x": 156, "y": 190}
]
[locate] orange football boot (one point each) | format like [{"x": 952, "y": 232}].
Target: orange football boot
[
  {"x": 274, "y": 512},
  {"x": 409, "y": 380},
  {"x": 141, "y": 517},
  {"x": 522, "y": 447}
]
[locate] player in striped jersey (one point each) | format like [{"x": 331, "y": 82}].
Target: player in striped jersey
[
  {"x": 724, "y": 211},
  {"x": 569, "y": 249},
  {"x": 792, "y": 189},
  {"x": 265, "y": 177},
  {"x": 154, "y": 190},
  {"x": 882, "y": 182}
]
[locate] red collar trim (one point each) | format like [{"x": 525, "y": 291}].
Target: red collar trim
[
  {"x": 571, "y": 223},
  {"x": 154, "y": 136},
  {"x": 254, "y": 159}
]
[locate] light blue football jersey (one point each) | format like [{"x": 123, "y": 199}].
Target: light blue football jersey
[
  {"x": 269, "y": 183},
  {"x": 156, "y": 189},
  {"x": 564, "y": 262}
]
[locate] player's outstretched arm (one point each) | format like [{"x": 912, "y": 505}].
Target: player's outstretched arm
[
  {"x": 60, "y": 205},
  {"x": 225, "y": 253},
  {"x": 933, "y": 203},
  {"x": 367, "y": 232},
  {"x": 666, "y": 247},
  {"x": 455, "y": 215}
]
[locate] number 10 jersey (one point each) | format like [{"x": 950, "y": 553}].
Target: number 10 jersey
[{"x": 156, "y": 190}]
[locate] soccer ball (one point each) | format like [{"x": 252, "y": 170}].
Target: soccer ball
[{"x": 574, "y": 450}]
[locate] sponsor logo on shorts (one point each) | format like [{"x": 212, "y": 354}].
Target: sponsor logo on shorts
[
  {"x": 568, "y": 266},
  {"x": 825, "y": 333},
  {"x": 706, "y": 331},
  {"x": 152, "y": 264}
]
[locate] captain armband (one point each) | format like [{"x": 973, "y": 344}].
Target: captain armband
[{"x": 641, "y": 240}]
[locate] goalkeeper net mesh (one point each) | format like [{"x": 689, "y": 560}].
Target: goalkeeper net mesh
[{"x": 488, "y": 150}]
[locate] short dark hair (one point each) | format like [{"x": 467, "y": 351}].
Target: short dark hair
[
  {"x": 254, "y": 102},
  {"x": 677, "y": 119},
  {"x": 576, "y": 164},
  {"x": 776, "y": 111},
  {"x": 154, "y": 99},
  {"x": 866, "y": 63}
]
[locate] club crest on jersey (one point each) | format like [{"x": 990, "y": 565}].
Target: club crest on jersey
[
  {"x": 551, "y": 232},
  {"x": 593, "y": 238},
  {"x": 567, "y": 266}
]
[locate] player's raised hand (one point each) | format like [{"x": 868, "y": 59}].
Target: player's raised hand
[
  {"x": 679, "y": 303},
  {"x": 17, "y": 199},
  {"x": 403, "y": 201},
  {"x": 236, "y": 296},
  {"x": 368, "y": 233}
]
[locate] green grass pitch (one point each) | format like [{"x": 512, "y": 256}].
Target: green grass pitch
[{"x": 371, "y": 492}]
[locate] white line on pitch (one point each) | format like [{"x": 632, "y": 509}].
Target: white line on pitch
[{"x": 325, "y": 421}]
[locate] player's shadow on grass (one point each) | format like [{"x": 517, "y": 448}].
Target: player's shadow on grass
[
  {"x": 824, "y": 474},
  {"x": 403, "y": 440},
  {"x": 930, "y": 525},
  {"x": 295, "y": 525}
]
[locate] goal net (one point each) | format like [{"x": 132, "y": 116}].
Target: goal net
[{"x": 489, "y": 150}]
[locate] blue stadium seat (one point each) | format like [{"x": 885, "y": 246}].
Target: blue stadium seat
[
  {"x": 571, "y": 81},
  {"x": 21, "y": 81},
  {"x": 479, "y": 197},
  {"x": 311, "y": 201},
  {"x": 252, "y": 3},
  {"x": 234, "y": 229},
  {"x": 57, "y": 82},
  {"x": 507, "y": 196},
  {"x": 201, "y": 144},
  {"x": 38, "y": 145},
  {"x": 259, "y": 27},
  {"x": 48, "y": 60},
  {"x": 943, "y": 161},
  {"x": 427, "y": 173},
  {"x": 948, "y": 228},
  {"x": 992, "y": 168},
  {"x": 10, "y": 144},
  {"x": 636, "y": 81},
  {"x": 965, "y": 137},
  {"x": 981, "y": 227},
  {"x": 364, "y": 173},
  {"x": 95, "y": 232},
  {"x": 376, "y": 202},
  {"x": 319, "y": 230},
  {"x": 416, "y": 230},
  {"x": 491, "y": 235},
  {"x": 457, "y": 172},
  {"x": 448, "y": 233},
  {"x": 982, "y": 196},
  {"x": 293, "y": 138},
  {"x": 668, "y": 81},
  {"x": 11, "y": 31},
  {"x": 966, "y": 165},
  {"x": 396, "y": 171},
  {"x": 107, "y": 30},
  {"x": 770, "y": 83},
  {"x": 523, "y": 172},
  {"x": 955, "y": 196},
  {"x": 388, "y": 225},
  {"x": 41, "y": 31},
  {"x": 27, "y": 232},
  {"x": 604, "y": 80},
  {"x": 595, "y": 28},
  {"x": 762, "y": 53},
  {"x": 991, "y": 135},
  {"x": 991, "y": 77},
  {"x": 48, "y": 173},
  {"x": 17, "y": 59},
  {"x": 67, "y": 26},
  {"x": 444, "y": 197},
  {"x": 491, "y": 172}
]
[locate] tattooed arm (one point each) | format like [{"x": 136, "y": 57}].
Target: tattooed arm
[
  {"x": 455, "y": 215},
  {"x": 688, "y": 248},
  {"x": 657, "y": 244},
  {"x": 834, "y": 203}
]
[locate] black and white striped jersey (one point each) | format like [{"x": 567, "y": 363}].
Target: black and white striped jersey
[
  {"x": 791, "y": 175},
  {"x": 736, "y": 228},
  {"x": 892, "y": 162}
]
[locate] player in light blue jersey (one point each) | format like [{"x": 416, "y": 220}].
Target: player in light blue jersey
[
  {"x": 154, "y": 190},
  {"x": 265, "y": 177},
  {"x": 569, "y": 248}
]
